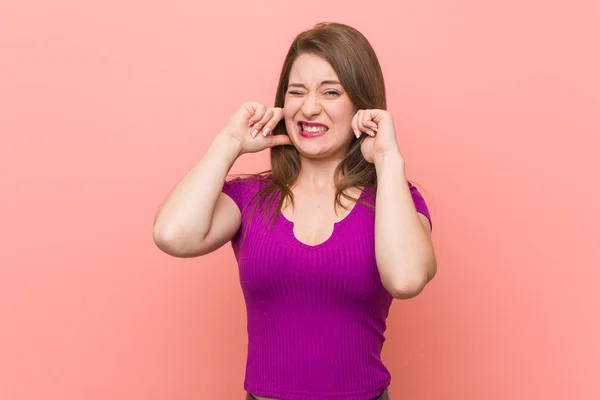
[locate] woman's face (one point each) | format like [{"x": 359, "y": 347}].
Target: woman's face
[{"x": 317, "y": 111}]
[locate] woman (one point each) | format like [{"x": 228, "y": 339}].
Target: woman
[{"x": 318, "y": 266}]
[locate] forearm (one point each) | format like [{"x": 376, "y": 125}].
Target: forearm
[
  {"x": 403, "y": 247},
  {"x": 187, "y": 211}
]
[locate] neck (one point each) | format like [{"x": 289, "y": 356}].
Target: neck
[{"x": 317, "y": 173}]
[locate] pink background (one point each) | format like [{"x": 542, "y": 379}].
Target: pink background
[{"x": 104, "y": 105}]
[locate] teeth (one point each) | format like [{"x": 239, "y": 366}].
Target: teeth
[{"x": 314, "y": 128}]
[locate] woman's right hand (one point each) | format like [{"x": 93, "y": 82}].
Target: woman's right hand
[{"x": 252, "y": 126}]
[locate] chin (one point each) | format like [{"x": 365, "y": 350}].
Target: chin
[
  {"x": 319, "y": 150},
  {"x": 311, "y": 152}
]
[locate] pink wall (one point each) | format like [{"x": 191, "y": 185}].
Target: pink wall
[{"x": 105, "y": 104}]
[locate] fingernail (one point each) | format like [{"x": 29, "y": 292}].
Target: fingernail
[
  {"x": 370, "y": 133},
  {"x": 356, "y": 133},
  {"x": 254, "y": 133},
  {"x": 250, "y": 123},
  {"x": 266, "y": 131}
]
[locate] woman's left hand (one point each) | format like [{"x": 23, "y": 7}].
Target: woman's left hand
[{"x": 379, "y": 127}]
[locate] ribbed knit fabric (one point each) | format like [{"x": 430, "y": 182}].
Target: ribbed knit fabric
[{"x": 316, "y": 314}]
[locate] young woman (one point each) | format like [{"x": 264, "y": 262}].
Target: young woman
[{"x": 327, "y": 238}]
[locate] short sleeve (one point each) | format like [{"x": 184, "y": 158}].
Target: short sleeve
[
  {"x": 233, "y": 189},
  {"x": 419, "y": 201}
]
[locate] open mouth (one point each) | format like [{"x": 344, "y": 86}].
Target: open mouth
[{"x": 307, "y": 129}]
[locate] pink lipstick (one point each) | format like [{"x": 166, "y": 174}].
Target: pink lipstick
[{"x": 312, "y": 129}]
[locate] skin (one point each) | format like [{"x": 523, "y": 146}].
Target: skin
[
  {"x": 196, "y": 218},
  {"x": 315, "y": 95}
]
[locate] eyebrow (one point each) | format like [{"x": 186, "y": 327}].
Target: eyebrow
[{"x": 328, "y": 82}]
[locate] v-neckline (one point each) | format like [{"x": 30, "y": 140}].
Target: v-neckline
[{"x": 289, "y": 225}]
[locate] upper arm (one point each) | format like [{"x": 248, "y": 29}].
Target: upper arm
[
  {"x": 226, "y": 222},
  {"x": 223, "y": 225}
]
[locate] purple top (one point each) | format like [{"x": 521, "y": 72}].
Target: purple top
[{"x": 316, "y": 314}]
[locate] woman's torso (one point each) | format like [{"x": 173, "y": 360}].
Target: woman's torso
[{"x": 315, "y": 304}]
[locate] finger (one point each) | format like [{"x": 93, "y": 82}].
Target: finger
[
  {"x": 361, "y": 123},
  {"x": 279, "y": 140},
  {"x": 354, "y": 125},
  {"x": 268, "y": 114},
  {"x": 372, "y": 116},
  {"x": 366, "y": 121},
  {"x": 257, "y": 111},
  {"x": 272, "y": 123}
]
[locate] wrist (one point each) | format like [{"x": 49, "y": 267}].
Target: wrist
[
  {"x": 391, "y": 157},
  {"x": 228, "y": 144}
]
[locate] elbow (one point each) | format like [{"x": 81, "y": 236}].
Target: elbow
[
  {"x": 411, "y": 285},
  {"x": 166, "y": 241},
  {"x": 171, "y": 243},
  {"x": 406, "y": 290}
]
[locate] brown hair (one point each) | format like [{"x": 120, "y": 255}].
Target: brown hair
[{"x": 357, "y": 67}]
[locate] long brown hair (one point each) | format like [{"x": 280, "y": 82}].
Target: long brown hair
[{"x": 357, "y": 67}]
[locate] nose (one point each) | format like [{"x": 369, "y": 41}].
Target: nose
[{"x": 311, "y": 106}]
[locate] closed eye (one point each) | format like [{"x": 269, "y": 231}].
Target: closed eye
[{"x": 333, "y": 93}]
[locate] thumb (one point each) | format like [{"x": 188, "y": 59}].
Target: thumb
[{"x": 279, "y": 140}]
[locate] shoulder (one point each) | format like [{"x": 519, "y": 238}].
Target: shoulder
[
  {"x": 416, "y": 195},
  {"x": 420, "y": 204},
  {"x": 242, "y": 189},
  {"x": 370, "y": 195},
  {"x": 246, "y": 182}
]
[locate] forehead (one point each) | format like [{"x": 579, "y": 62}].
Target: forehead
[{"x": 310, "y": 68}]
